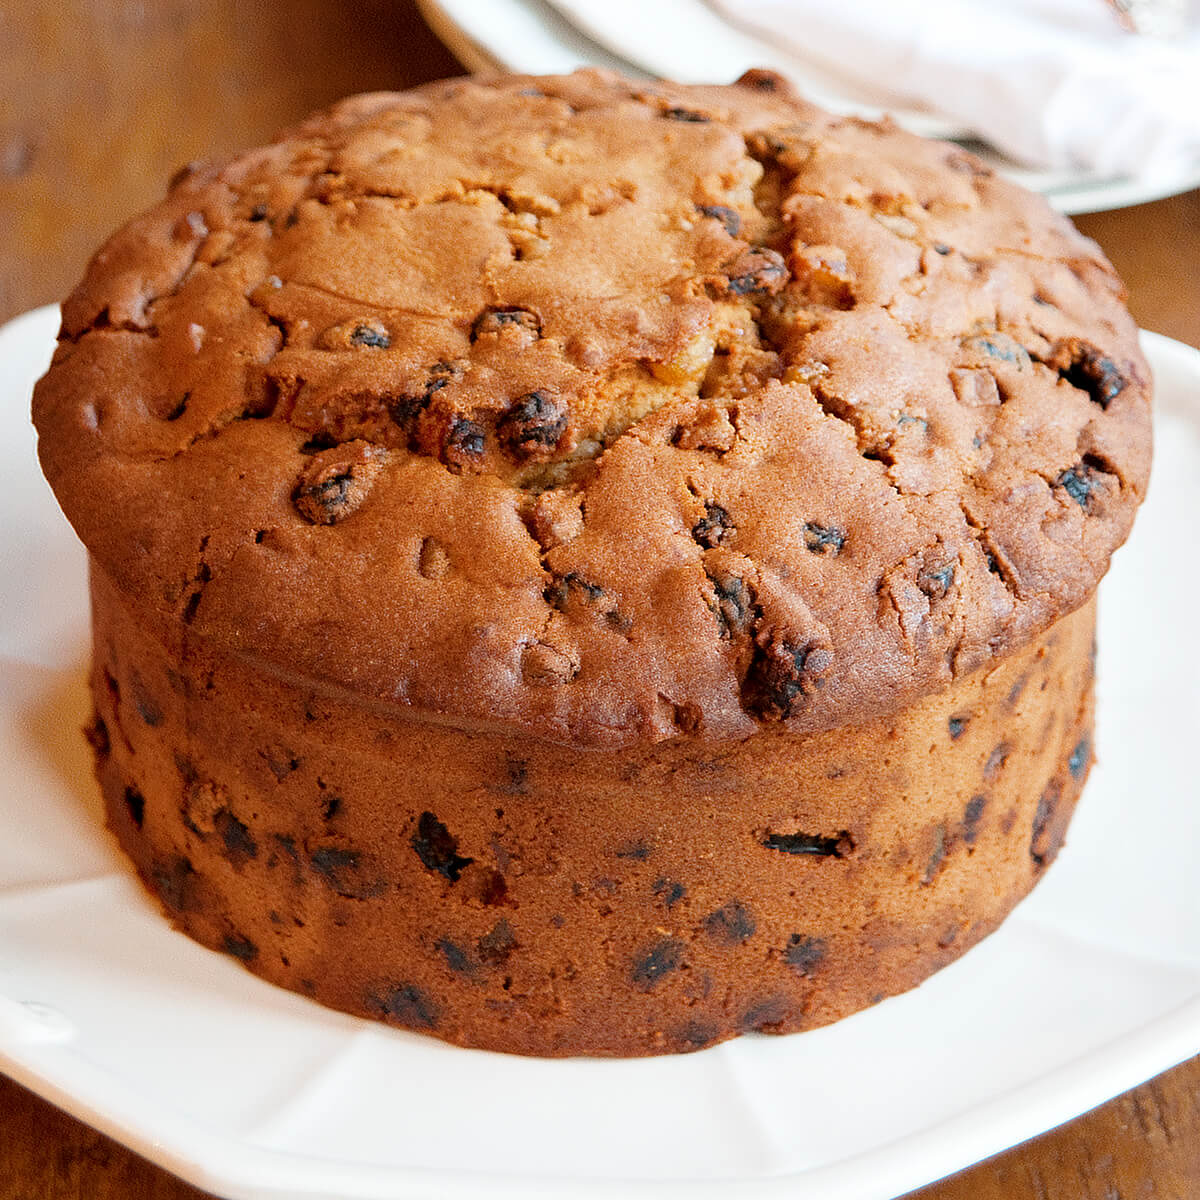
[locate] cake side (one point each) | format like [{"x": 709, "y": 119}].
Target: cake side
[
  {"x": 517, "y": 895},
  {"x": 600, "y": 411}
]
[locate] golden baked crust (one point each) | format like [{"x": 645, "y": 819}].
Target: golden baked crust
[{"x": 601, "y": 410}]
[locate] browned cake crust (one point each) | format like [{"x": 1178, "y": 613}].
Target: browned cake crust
[{"x": 511, "y": 496}]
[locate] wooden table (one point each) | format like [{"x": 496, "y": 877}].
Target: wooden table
[{"x": 99, "y": 102}]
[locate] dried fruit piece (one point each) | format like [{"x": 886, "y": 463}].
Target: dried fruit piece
[
  {"x": 999, "y": 346},
  {"x": 337, "y": 482},
  {"x": 518, "y": 323},
  {"x": 730, "y": 924},
  {"x": 403, "y": 408},
  {"x": 176, "y": 883},
  {"x": 995, "y": 761},
  {"x": 465, "y": 442},
  {"x": 97, "y": 736},
  {"x": 823, "y": 539},
  {"x": 728, "y": 217},
  {"x": 1046, "y": 838},
  {"x": 637, "y": 851},
  {"x": 498, "y": 943},
  {"x": 764, "y": 1016},
  {"x": 660, "y": 959},
  {"x": 788, "y": 146},
  {"x": 816, "y": 844},
  {"x": 805, "y": 954},
  {"x": 695, "y": 1035},
  {"x": 457, "y": 959},
  {"x": 782, "y": 673},
  {"x": 372, "y": 335},
  {"x": 732, "y": 603},
  {"x": 1080, "y": 483},
  {"x": 238, "y": 841},
  {"x": 366, "y": 332},
  {"x": 971, "y": 815},
  {"x": 147, "y": 706},
  {"x": 534, "y": 424},
  {"x": 408, "y": 1006},
  {"x": 1081, "y": 756},
  {"x": 135, "y": 805},
  {"x": 341, "y": 867},
  {"x": 437, "y": 848},
  {"x": 1085, "y": 367},
  {"x": 714, "y": 527},
  {"x": 937, "y": 580},
  {"x": 756, "y": 272},
  {"x": 239, "y": 947},
  {"x": 562, "y": 590}
]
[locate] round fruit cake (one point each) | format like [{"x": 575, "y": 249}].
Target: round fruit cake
[{"x": 582, "y": 566}]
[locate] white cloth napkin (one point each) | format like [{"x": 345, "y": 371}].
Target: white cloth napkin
[{"x": 1053, "y": 83}]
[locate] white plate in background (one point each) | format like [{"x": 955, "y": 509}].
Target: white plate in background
[
  {"x": 254, "y": 1093},
  {"x": 688, "y": 41}
]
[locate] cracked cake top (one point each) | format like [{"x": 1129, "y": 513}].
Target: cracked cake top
[{"x": 604, "y": 410}]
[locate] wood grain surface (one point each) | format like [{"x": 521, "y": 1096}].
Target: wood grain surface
[{"x": 99, "y": 103}]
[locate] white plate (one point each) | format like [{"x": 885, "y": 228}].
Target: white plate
[
  {"x": 688, "y": 41},
  {"x": 1092, "y": 986}
]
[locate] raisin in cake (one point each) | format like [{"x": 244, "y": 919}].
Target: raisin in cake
[{"x": 592, "y": 567}]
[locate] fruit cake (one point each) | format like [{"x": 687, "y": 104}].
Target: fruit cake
[{"x": 585, "y": 566}]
